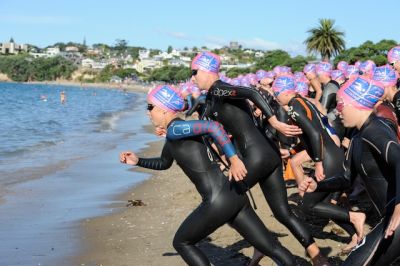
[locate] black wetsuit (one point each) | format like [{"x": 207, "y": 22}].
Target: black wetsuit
[
  {"x": 396, "y": 103},
  {"x": 373, "y": 154},
  {"x": 328, "y": 101},
  {"x": 320, "y": 147},
  {"x": 228, "y": 105},
  {"x": 221, "y": 203}
]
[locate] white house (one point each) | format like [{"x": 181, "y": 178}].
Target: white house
[
  {"x": 12, "y": 48},
  {"x": 71, "y": 49},
  {"x": 143, "y": 54},
  {"x": 53, "y": 51}
]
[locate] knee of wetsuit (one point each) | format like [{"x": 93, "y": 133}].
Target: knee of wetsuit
[{"x": 307, "y": 205}]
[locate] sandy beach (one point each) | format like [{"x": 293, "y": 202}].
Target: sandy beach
[{"x": 142, "y": 235}]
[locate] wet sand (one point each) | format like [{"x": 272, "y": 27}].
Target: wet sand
[{"x": 142, "y": 235}]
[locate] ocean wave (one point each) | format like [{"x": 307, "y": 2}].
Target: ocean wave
[
  {"x": 27, "y": 149},
  {"x": 108, "y": 121}
]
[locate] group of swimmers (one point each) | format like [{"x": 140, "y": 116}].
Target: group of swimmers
[{"x": 345, "y": 121}]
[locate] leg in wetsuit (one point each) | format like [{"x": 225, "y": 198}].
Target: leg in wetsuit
[{"x": 232, "y": 208}]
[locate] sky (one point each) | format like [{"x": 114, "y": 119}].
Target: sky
[{"x": 257, "y": 24}]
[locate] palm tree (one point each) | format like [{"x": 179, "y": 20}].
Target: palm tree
[{"x": 325, "y": 39}]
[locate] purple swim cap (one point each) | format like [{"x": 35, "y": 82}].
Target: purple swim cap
[
  {"x": 309, "y": 68},
  {"x": 352, "y": 71},
  {"x": 338, "y": 75},
  {"x": 342, "y": 65},
  {"x": 236, "y": 82},
  {"x": 207, "y": 61},
  {"x": 302, "y": 87},
  {"x": 323, "y": 68},
  {"x": 386, "y": 75},
  {"x": 245, "y": 81},
  {"x": 361, "y": 92},
  {"x": 167, "y": 98},
  {"x": 368, "y": 67},
  {"x": 261, "y": 74},
  {"x": 185, "y": 88},
  {"x": 394, "y": 55},
  {"x": 283, "y": 84},
  {"x": 298, "y": 75}
]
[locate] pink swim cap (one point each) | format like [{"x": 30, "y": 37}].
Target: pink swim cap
[
  {"x": 368, "y": 67},
  {"x": 261, "y": 74},
  {"x": 309, "y": 68},
  {"x": 352, "y": 71},
  {"x": 252, "y": 78},
  {"x": 323, "y": 68},
  {"x": 302, "y": 86},
  {"x": 280, "y": 70},
  {"x": 357, "y": 64},
  {"x": 385, "y": 75},
  {"x": 236, "y": 82},
  {"x": 283, "y": 84},
  {"x": 167, "y": 98},
  {"x": 361, "y": 92},
  {"x": 342, "y": 65},
  {"x": 298, "y": 75},
  {"x": 207, "y": 61},
  {"x": 394, "y": 55},
  {"x": 338, "y": 75}
]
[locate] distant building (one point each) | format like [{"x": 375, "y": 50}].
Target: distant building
[
  {"x": 12, "y": 48},
  {"x": 71, "y": 49},
  {"x": 234, "y": 45},
  {"x": 90, "y": 63},
  {"x": 148, "y": 64},
  {"x": 53, "y": 51},
  {"x": 178, "y": 62},
  {"x": 143, "y": 54}
]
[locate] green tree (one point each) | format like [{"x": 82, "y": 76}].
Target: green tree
[
  {"x": 120, "y": 46},
  {"x": 325, "y": 39},
  {"x": 272, "y": 59},
  {"x": 169, "y": 50}
]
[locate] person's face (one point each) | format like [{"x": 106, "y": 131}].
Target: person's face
[
  {"x": 284, "y": 98},
  {"x": 347, "y": 113},
  {"x": 310, "y": 75},
  {"x": 156, "y": 114},
  {"x": 200, "y": 78},
  {"x": 396, "y": 66},
  {"x": 266, "y": 81}
]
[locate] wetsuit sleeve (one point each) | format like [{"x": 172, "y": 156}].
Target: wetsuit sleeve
[
  {"x": 194, "y": 104},
  {"x": 162, "y": 163},
  {"x": 302, "y": 115},
  {"x": 342, "y": 180},
  {"x": 328, "y": 98},
  {"x": 186, "y": 129},
  {"x": 255, "y": 95},
  {"x": 386, "y": 145}
]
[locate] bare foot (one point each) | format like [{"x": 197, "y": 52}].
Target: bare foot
[
  {"x": 349, "y": 247},
  {"x": 358, "y": 220},
  {"x": 257, "y": 256}
]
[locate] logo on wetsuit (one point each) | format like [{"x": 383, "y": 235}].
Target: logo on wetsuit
[
  {"x": 292, "y": 114},
  {"x": 221, "y": 93}
]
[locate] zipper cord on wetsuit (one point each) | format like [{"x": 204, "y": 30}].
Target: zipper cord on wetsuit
[{"x": 205, "y": 117}]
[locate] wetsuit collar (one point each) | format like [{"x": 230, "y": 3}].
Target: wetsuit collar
[
  {"x": 215, "y": 84},
  {"x": 371, "y": 117},
  {"x": 173, "y": 120}
]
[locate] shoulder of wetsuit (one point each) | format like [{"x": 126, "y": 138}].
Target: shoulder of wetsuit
[
  {"x": 334, "y": 82},
  {"x": 377, "y": 129}
]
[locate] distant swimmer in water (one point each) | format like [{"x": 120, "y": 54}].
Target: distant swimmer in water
[
  {"x": 43, "y": 98},
  {"x": 63, "y": 98}
]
